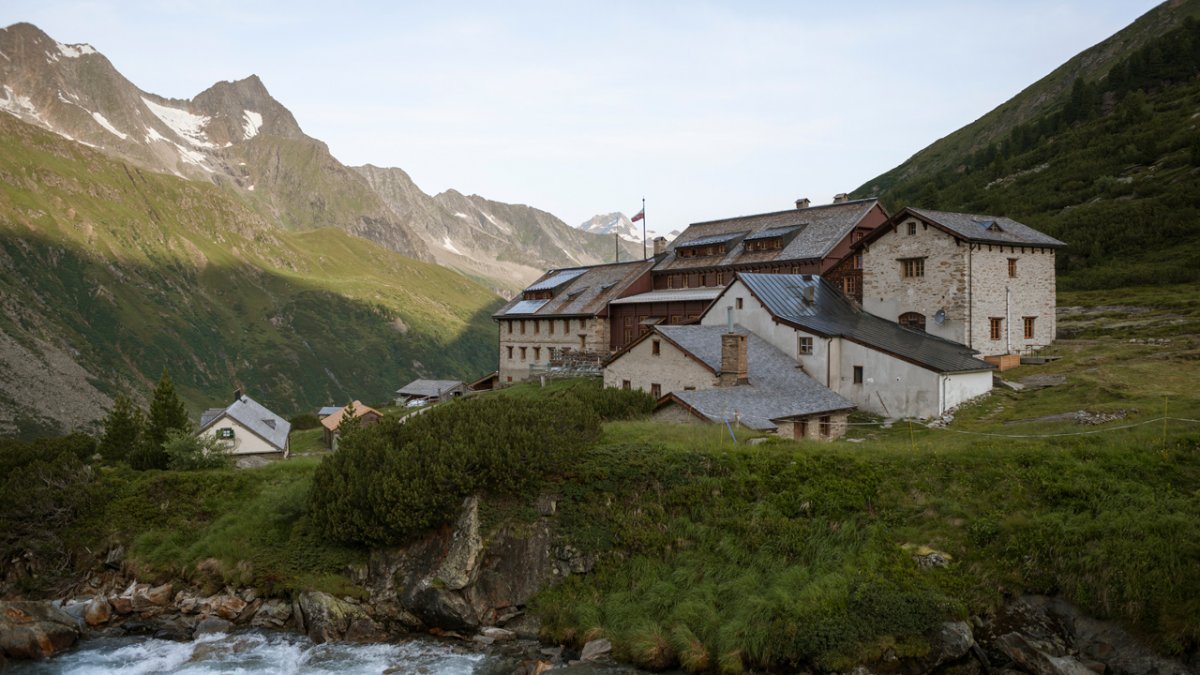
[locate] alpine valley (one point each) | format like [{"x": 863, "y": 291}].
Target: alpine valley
[{"x": 213, "y": 236}]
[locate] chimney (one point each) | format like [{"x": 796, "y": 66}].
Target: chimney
[
  {"x": 660, "y": 245},
  {"x": 810, "y": 293},
  {"x": 237, "y": 395},
  {"x": 840, "y": 198},
  {"x": 733, "y": 360},
  {"x": 803, "y": 203}
]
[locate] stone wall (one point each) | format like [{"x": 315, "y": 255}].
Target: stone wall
[
  {"x": 539, "y": 336},
  {"x": 671, "y": 369},
  {"x": 888, "y": 294},
  {"x": 1030, "y": 293},
  {"x": 838, "y": 423}
]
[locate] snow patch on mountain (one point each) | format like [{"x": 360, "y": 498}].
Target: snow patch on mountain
[
  {"x": 103, "y": 121},
  {"x": 449, "y": 245},
  {"x": 153, "y": 135},
  {"x": 5, "y": 57},
  {"x": 75, "y": 51},
  {"x": 460, "y": 214},
  {"x": 192, "y": 157},
  {"x": 189, "y": 126},
  {"x": 19, "y": 105},
  {"x": 610, "y": 223},
  {"x": 251, "y": 123}
]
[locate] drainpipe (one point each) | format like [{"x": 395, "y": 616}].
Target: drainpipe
[
  {"x": 970, "y": 295},
  {"x": 1007, "y": 320}
]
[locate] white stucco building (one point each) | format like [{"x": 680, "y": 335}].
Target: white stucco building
[{"x": 245, "y": 427}]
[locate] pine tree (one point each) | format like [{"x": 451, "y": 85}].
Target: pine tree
[
  {"x": 122, "y": 430},
  {"x": 167, "y": 414}
]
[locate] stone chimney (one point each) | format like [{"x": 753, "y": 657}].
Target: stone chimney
[
  {"x": 841, "y": 197},
  {"x": 803, "y": 203},
  {"x": 237, "y": 395},
  {"x": 660, "y": 245},
  {"x": 733, "y": 360}
]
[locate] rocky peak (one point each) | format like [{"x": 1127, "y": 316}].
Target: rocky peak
[{"x": 242, "y": 109}]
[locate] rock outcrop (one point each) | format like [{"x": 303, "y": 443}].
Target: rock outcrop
[{"x": 34, "y": 630}]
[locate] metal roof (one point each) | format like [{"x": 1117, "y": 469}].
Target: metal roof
[
  {"x": 526, "y": 307},
  {"x": 587, "y": 294},
  {"x": 429, "y": 388},
  {"x": 773, "y": 232},
  {"x": 252, "y": 415},
  {"x": 818, "y": 231},
  {"x": 995, "y": 229},
  {"x": 715, "y": 239},
  {"x": 832, "y": 314},
  {"x": 778, "y": 388},
  {"x": 555, "y": 280},
  {"x": 673, "y": 295}
]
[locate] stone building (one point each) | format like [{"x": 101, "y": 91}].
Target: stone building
[
  {"x": 714, "y": 374},
  {"x": 702, "y": 260},
  {"x": 983, "y": 281},
  {"x": 879, "y": 365},
  {"x": 563, "y": 318}
]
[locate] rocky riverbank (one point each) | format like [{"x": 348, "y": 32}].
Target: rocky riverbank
[{"x": 453, "y": 585}]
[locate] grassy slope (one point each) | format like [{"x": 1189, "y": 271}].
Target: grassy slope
[
  {"x": 729, "y": 557},
  {"x": 1119, "y": 186},
  {"x": 138, "y": 271}
]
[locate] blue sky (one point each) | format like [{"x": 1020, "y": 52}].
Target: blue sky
[{"x": 706, "y": 109}]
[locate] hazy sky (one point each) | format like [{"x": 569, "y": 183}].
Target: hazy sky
[{"x": 705, "y": 109}]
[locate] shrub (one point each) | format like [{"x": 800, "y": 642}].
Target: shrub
[
  {"x": 305, "y": 421},
  {"x": 394, "y": 480},
  {"x": 187, "y": 452}
]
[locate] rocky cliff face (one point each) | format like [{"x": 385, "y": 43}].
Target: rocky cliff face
[{"x": 509, "y": 244}]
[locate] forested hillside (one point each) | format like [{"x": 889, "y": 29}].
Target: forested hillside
[{"x": 1113, "y": 168}]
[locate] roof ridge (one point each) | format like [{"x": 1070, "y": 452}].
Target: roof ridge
[{"x": 782, "y": 211}]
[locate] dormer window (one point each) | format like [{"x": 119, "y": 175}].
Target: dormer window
[{"x": 771, "y": 239}]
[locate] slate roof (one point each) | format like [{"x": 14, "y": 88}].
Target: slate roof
[
  {"x": 586, "y": 293},
  {"x": 979, "y": 228},
  {"x": 832, "y": 314},
  {"x": 333, "y": 421},
  {"x": 555, "y": 280},
  {"x": 328, "y": 410},
  {"x": 823, "y": 227},
  {"x": 778, "y": 389},
  {"x": 251, "y": 414},
  {"x": 429, "y": 388},
  {"x": 670, "y": 295}
]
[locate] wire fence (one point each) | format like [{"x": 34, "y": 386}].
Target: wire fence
[{"x": 1088, "y": 432}]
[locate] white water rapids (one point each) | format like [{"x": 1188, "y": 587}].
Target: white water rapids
[{"x": 256, "y": 652}]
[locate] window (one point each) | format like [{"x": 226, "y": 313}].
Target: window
[
  {"x": 508, "y": 378},
  {"x": 851, "y": 285},
  {"x": 996, "y": 326},
  {"x": 523, "y": 353},
  {"x": 800, "y": 429},
  {"x": 583, "y": 324},
  {"x": 550, "y": 325},
  {"x": 655, "y": 348},
  {"x": 670, "y": 281},
  {"x": 804, "y": 345},
  {"x": 656, "y": 390},
  {"x": 510, "y": 323},
  {"x": 566, "y": 326},
  {"x": 914, "y": 320},
  {"x": 912, "y": 228},
  {"x": 537, "y": 327},
  {"x": 522, "y": 326},
  {"x": 225, "y": 434},
  {"x": 825, "y": 426},
  {"x": 550, "y": 353},
  {"x": 583, "y": 343},
  {"x": 625, "y": 384},
  {"x": 720, "y": 278},
  {"x": 858, "y": 261},
  {"x": 858, "y": 375},
  {"x": 1012, "y": 267},
  {"x": 537, "y": 353},
  {"x": 739, "y": 303},
  {"x": 510, "y": 352},
  {"x": 912, "y": 267},
  {"x": 1029, "y": 320}
]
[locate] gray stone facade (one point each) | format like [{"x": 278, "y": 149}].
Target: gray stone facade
[
  {"x": 526, "y": 344},
  {"x": 973, "y": 283}
]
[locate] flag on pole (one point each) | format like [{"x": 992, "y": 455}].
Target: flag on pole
[{"x": 640, "y": 214}]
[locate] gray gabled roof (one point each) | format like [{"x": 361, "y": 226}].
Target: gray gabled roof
[
  {"x": 993, "y": 229},
  {"x": 579, "y": 292},
  {"x": 251, "y": 414},
  {"x": 815, "y": 231},
  {"x": 778, "y": 388},
  {"x": 429, "y": 388},
  {"x": 832, "y": 314}
]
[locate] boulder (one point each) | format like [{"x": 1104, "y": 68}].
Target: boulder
[
  {"x": 498, "y": 634},
  {"x": 466, "y": 545},
  {"x": 596, "y": 650},
  {"x": 121, "y": 604},
  {"x": 97, "y": 611},
  {"x": 213, "y": 625},
  {"x": 328, "y": 618},
  {"x": 160, "y": 596},
  {"x": 227, "y": 607},
  {"x": 272, "y": 614},
  {"x": 1026, "y": 653},
  {"x": 34, "y": 630}
]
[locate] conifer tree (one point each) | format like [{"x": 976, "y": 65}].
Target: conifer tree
[
  {"x": 122, "y": 430},
  {"x": 167, "y": 414}
]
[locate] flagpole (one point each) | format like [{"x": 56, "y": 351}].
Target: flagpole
[{"x": 643, "y": 228}]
